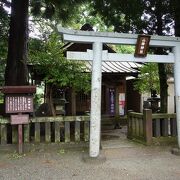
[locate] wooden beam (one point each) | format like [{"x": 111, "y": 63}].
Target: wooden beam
[
  {"x": 115, "y": 38},
  {"x": 88, "y": 56}
]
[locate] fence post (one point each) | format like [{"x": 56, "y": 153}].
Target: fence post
[
  {"x": 173, "y": 125},
  {"x": 86, "y": 130},
  {"x": 147, "y": 120},
  {"x": 57, "y": 132},
  {"x": 47, "y": 132},
  {"x": 26, "y": 133},
  {"x": 37, "y": 135},
  {"x": 77, "y": 131},
  {"x": 156, "y": 127},
  {"x": 67, "y": 131},
  {"x": 14, "y": 134},
  {"x": 3, "y": 134},
  {"x": 129, "y": 127}
]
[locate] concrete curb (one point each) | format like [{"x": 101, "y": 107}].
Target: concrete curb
[{"x": 176, "y": 151}]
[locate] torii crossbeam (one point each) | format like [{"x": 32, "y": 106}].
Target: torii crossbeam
[{"x": 98, "y": 55}]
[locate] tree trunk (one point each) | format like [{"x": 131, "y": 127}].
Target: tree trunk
[
  {"x": 49, "y": 99},
  {"x": 52, "y": 108},
  {"x": 161, "y": 67},
  {"x": 16, "y": 69},
  {"x": 73, "y": 102},
  {"x": 163, "y": 87},
  {"x": 177, "y": 18}
]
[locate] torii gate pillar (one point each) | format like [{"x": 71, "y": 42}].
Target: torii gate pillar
[
  {"x": 95, "y": 116},
  {"x": 177, "y": 88}
]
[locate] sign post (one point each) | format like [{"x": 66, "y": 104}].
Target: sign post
[{"x": 19, "y": 100}]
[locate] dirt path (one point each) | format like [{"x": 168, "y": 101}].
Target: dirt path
[{"x": 124, "y": 161}]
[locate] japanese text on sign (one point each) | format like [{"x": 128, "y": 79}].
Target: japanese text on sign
[{"x": 15, "y": 104}]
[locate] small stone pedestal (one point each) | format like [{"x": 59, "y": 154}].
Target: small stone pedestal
[
  {"x": 176, "y": 151},
  {"x": 94, "y": 160}
]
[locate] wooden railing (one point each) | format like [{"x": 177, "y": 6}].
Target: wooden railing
[
  {"x": 144, "y": 126},
  {"x": 164, "y": 125},
  {"x": 140, "y": 126},
  {"x": 47, "y": 129}
]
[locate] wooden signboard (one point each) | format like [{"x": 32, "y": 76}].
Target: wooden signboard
[
  {"x": 18, "y": 100},
  {"x": 19, "y": 119},
  {"x": 19, "y": 103},
  {"x": 19, "y": 89}
]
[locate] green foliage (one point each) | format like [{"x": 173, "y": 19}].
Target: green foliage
[
  {"x": 38, "y": 99},
  {"x": 63, "y": 11},
  {"x": 4, "y": 20},
  {"x": 61, "y": 151},
  {"x": 86, "y": 15},
  {"x": 49, "y": 61},
  {"x": 158, "y": 16},
  {"x": 16, "y": 155},
  {"x": 138, "y": 16},
  {"x": 124, "y": 49},
  {"x": 148, "y": 79},
  {"x": 123, "y": 15}
]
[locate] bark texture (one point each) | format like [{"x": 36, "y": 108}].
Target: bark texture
[{"x": 16, "y": 69}]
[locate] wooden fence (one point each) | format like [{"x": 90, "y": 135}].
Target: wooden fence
[
  {"x": 47, "y": 129},
  {"x": 144, "y": 126},
  {"x": 164, "y": 125}
]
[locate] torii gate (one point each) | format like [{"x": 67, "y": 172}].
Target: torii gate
[{"x": 97, "y": 55}]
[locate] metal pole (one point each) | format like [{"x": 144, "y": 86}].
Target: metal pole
[
  {"x": 177, "y": 88},
  {"x": 95, "y": 115}
]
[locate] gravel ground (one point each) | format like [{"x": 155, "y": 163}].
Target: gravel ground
[{"x": 124, "y": 161}]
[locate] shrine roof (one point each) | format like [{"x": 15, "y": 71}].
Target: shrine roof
[{"x": 107, "y": 66}]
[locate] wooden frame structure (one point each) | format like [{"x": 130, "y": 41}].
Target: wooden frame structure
[{"x": 113, "y": 85}]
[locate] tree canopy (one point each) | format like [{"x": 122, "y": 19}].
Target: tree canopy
[
  {"x": 123, "y": 15},
  {"x": 148, "y": 78},
  {"x": 18, "y": 34},
  {"x": 4, "y": 22},
  {"x": 159, "y": 17},
  {"x": 143, "y": 16},
  {"x": 47, "y": 58}
]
